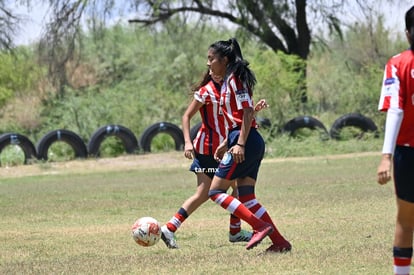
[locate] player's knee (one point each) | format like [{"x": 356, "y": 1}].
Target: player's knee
[{"x": 214, "y": 192}]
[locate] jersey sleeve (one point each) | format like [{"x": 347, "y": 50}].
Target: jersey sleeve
[
  {"x": 242, "y": 94},
  {"x": 390, "y": 92},
  {"x": 201, "y": 95}
]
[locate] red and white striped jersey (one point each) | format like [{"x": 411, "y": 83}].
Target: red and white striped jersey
[
  {"x": 398, "y": 93},
  {"x": 235, "y": 95},
  {"x": 213, "y": 128}
]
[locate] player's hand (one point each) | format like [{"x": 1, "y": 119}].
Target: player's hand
[
  {"x": 220, "y": 151},
  {"x": 188, "y": 150},
  {"x": 237, "y": 152},
  {"x": 384, "y": 169},
  {"x": 261, "y": 104}
]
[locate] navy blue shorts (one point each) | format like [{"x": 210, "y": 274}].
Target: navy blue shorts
[
  {"x": 253, "y": 153},
  {"x": 404, "y": 173},
  {"x": 204, "y": 164}
]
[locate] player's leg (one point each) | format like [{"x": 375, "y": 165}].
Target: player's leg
[
  {"x": 229, "y": 170},
  {"x": 218, "y": 194},
  {"x": 236, "y": 233},
  {"x": 404, "y": 189},
  {"x": 247, "y": 196},
  {"x": 187, "y": 208},
  {"x": 403, "y": 239}
]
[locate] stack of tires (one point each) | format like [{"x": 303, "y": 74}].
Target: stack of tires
[
  {"x": 131, "y": 144},
  {"x": 355, "y": 120}
]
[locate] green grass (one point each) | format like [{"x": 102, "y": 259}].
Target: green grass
[{"x": 69, "y": 221}]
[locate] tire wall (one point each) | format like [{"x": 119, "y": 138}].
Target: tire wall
[
  {"x": 162, "y": 127},
  {"x": 126, "y": 136},
  {"x": 132, "y": 145}
]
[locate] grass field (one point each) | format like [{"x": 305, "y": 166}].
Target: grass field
[{"x": 75, "y": 218}]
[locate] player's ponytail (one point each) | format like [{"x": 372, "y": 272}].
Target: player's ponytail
[
  {"x": 235, "y": 47},
  {"x": 240, "y": 67},
  {"x": 409, "y": 26},
  {"x": 236, "y": 64}
]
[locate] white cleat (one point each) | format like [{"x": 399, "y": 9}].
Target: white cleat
[
  {"x": 168, "y": 237},
  {"x": 242, "y": 236}
]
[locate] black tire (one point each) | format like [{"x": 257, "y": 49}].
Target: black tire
[
  {"x": 194, "y": 130},
  {"x": 162, "y": 127},
  {"x": 69, "y": 137},
  {"x": 126, "y": 136},
  {"x": 22, "y": 141},
  {"x": 263, "y": 122},
  {"x": 365, "y": 124},
  {"x": 305, "y": 122}
]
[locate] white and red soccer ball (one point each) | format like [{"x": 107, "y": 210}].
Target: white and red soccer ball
[{"x": 146, "y": 231}]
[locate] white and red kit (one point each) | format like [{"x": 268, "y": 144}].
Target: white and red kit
[
  {"x": 397, "y": 98},
  {"x": 235, "y": 95},
  {"x": 213, "y": 128}
]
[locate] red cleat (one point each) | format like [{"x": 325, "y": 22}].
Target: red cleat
[
  {"x": 259, "y": 235},
  {"x": 280, "y": 248}
]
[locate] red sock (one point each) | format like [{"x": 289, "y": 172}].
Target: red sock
[
  {"x": 402, "y": 260},
  {"x": 255, "y": 207},
  {"x": 235, "y": 207},
  {"x": 235, "y": 224},
  {"x": 177, "y": 220},
  {"x": 402, "y": 266}
]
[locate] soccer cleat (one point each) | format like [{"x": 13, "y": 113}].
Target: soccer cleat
[
  {"x": 259, "y": 235},
  {"x": 168, "y": 237},
  {"x": 241, "y": 236},
  {"x": 280, "y": 248}
]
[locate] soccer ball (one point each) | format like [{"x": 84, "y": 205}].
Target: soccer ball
[{"x": 146, "y": 231}]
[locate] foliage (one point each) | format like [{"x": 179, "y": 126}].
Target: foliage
[
  {"x": 22, "y": 83},
  {"x": 18, "y": 74},
  {"x": 130, "y": 82},
  {"x": 136, "y": 77},
  {"x": 12, "y": 155},
  {"x": 348, "y": 77},
  {"x": 278, "y": 75}
]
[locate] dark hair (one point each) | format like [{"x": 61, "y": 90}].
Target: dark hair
[
  {"x": 409, "y": 25},
  {"x": 206, "y": 79},
  {"x": 237, "y": 64}
]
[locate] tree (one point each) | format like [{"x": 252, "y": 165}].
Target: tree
[
  {"x": 282, "y": 25},
  {"x": 9, "y": 22}
]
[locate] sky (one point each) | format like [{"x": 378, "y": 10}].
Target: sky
[{"x": 36, "y": 18}]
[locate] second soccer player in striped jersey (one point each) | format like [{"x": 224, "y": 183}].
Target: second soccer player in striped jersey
[{"x": 211, "y": 134}]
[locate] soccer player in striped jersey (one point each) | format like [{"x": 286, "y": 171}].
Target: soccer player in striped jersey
[
  {"x": 397, "y": 99},
  {"x": 245, "y": 145},
  {"x": 210, "y": 135}
]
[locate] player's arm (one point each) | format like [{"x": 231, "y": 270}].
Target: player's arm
[
  {"x": 392, "y": 127},
  {"x": 244, "y": 102},
  {"x": 192, "y": 109},
  {"x": 248, "y": 115},
  {"x": 221, "y": 150},
  {"x": 238, "y": 149}
]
